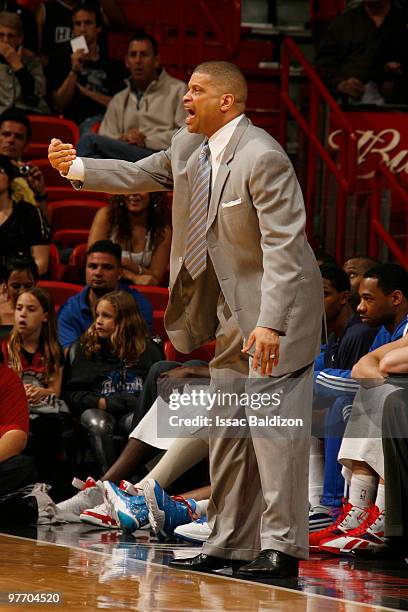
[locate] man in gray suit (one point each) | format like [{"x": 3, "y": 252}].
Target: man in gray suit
[{"x": 243, "y": 258}]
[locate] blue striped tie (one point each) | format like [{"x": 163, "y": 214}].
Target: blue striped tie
[{"x": 196, "y": 249}]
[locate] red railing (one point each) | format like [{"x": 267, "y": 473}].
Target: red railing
[
  {"x": 384, "y": 180},
  {"x": 344, "y": 170}
]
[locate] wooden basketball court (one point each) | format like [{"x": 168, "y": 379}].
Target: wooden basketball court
[{"x": 94, "y": 569}]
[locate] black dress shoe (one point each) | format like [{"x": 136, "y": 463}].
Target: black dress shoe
[
  {"x": 271, "y": 564},
  {"x": 204, "y": 563}
]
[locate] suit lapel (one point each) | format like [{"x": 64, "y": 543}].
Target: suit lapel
[{"x": 224, "y": 170}]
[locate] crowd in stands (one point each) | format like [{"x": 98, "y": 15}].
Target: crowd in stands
[{"x": 88, "y": 381}]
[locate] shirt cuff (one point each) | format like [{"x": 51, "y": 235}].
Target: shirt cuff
[{"x": 76, "y": 171}]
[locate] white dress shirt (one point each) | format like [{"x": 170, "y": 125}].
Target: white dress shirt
[{"x": 217, "y": 143}]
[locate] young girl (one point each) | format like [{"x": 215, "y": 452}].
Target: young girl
[
  {"x": 106, "y": 370},
  {"x": 34, "y": 352},
  {"x": 140, "y": 223}
]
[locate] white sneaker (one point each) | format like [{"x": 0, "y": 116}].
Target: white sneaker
[
  {"x": 100, "y": 517},
  {"x": 89, "y": 496},
  {"x": 197, "y": 531}
]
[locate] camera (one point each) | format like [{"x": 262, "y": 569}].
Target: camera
[{"x": 24, "y": 170}]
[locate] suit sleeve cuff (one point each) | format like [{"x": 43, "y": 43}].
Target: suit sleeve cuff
[{"x": 76, "y": 171}]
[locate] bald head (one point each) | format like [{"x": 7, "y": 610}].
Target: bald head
[{"x": 228, "y": 79}]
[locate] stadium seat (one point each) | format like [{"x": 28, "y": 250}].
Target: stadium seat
[
  {"x": 69, "y": 193},
  {"x": 56, "y": 268},
  {"x": 52, "y": 177},
  {"x": 70, "y": 237},
  {"x": 73, "y": 214},
  {"x": 75, "y": 270},
  {"x": 78, "y": 256},
  {"x": 205, "y": 352},
  {"x": 157, "y": 296},
  {"x": 43, "y": 129},
  {"x": 59, "y": 290}
]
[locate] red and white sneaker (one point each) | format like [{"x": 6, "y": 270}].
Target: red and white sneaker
[
  {"x": 369, "y": 535},
  {"x": 99, "y": 517},
  {"x": 349, "y": 518},
  {"x": 90, "y": 494}
]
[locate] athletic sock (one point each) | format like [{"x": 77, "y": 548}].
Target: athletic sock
[{"x": 362, "y": 490}]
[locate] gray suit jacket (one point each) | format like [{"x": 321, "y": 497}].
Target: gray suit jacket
[{"x": 259, "y": 256}]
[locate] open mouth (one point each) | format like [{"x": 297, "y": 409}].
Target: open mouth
[{"x": 190, "y": 114}]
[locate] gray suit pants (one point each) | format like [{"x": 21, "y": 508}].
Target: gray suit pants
[{"x": 259, "y": 482}]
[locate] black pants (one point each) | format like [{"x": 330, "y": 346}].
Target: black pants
[
  {"x": 46, "y": 444},
  {"x": 395, "y": 446},
  {"x": 16, "y": 472},
  {"x": 149, "y": 392}
]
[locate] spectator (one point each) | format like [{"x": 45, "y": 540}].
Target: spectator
[
  {"x": 103, "y": 272},
  {"x": 22, "y": 81},
  {"x": 140, "y": 223},
  {"x": 28, "y": 20},
  {"x": 361, "y": 52},
  {"x": 82, "y": 84},
  {"x": 55, "y": 22},
  {"x": 15, "y": 134},
  {"x": 356, "y": 267},
  {"x": 142, "y": 118},
  {"x": 19, "y": 274},
  {"x": 16, "y": 470},
  {"x": 23, "y": 228},
  {"x": 106, "y": 372},
  {"x": 34, "y": 353}
]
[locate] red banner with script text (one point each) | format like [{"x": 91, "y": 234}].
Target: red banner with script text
[{"x": 382, "y": 137}]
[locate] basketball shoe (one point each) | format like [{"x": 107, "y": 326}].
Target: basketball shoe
[
  {"x": 129, "y": 511},
  {"x": 165, "y": 512},
  {"x": 90, "y": 495},
  {"x": 349, "y": 518},
  {"x": 198, "y": 531},
  {"x": 369, "y": 535}
]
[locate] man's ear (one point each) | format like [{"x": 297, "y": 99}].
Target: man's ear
[
  {"x": 397, "y": 297},
  {"x": 227, "y": 102}
]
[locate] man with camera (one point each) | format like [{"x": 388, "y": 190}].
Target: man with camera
[{"x": 15, "y": 133}]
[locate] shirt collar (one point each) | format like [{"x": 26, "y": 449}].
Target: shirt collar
[{"x": 219, "y": 140}]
